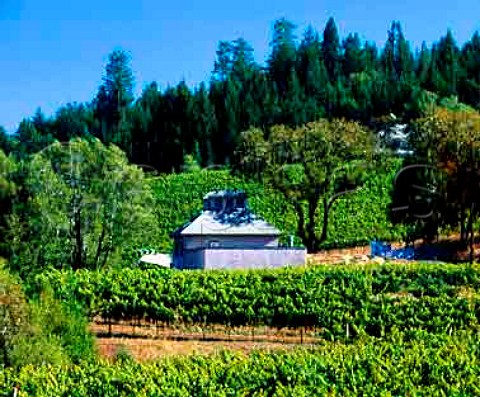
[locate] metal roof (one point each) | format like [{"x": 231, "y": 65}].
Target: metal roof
[{"x": 237, "y": 223}]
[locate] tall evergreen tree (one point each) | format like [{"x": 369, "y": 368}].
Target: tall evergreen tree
[
  {"x": 224, "y": 62},
  {"x": 294, "y": 112},
  {"x": 6, "y": 141},
  {"x": 424, "y": 60},
  {"x": 312, "y": 74},
  {"x": 205, "y": 124},
  {"x": 72, "y": 120},
  {"x": 353, "y": 55},
  {"x": 243, "y": 62},
  {"x": 448, "y": 64},
  {"x": 283, "y": 54},
  {"x": 145, "y": 119},
  {"x": 331, "y": 49},
  {"x": 114, "y": 97},
  {"x": 30, "y": 140},
  {"x": 470, "y": 81},
  {"x": 397, "y": 58}
]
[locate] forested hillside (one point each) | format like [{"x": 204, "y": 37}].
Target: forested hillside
[{"x": 308, "y": 75}]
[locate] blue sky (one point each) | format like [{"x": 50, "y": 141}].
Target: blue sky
[{"x": 54, "y": 52}]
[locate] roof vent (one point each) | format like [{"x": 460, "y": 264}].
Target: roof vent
[{"x": 225, "y": 201}]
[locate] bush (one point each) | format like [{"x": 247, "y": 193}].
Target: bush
[{"x": 43, "y": 331}]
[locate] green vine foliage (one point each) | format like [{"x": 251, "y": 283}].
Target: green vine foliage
[
  {"x": 341, "y": 302},
  {"x": 411, "y": 364}
]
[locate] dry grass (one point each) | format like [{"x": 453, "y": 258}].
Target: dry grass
[
  {"x": 151, "y": 349},
  {"x": 466, "y": 293},
  {"x": 147, "y": 342}
]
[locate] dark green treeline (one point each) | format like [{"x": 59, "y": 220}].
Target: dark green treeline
[{"x": 305, "y": 78}]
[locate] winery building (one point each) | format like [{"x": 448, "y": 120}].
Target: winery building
[{"x": 227, "y": 235}]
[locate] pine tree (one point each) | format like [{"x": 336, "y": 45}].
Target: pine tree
[
  {"x": 146, "y": 125},
  {"x": 283, "y": 53},
  {"x": 331, "y": 50},
  {"x": 470, "y": 79},
  {"x": 243, "y": 62},
  {"x": 353, "y": 55},
  {"x": 312, "y": 74},
  {"x": 114, "y": 97},
  {"x": 448, "y": 63},
  {"x": 30, "y": 140},
  {"x": 424, "y": 60},
  {"x": 205, "y": 124},
  {"x": 224, "y": 63},
  {"x": 294, "y": 112},
  {"x": 6, "y": 141},
  {"x": 72, "y": 120}
]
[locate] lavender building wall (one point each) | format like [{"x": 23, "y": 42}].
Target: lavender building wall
[{"x": 226, "y": 235}]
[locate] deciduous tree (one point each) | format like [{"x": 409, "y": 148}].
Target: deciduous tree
[{"x": 312, "y": 166}]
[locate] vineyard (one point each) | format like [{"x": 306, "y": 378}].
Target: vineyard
[
  {"x": 391, "y": 330},
  {"x": 339, "y": 302},
  {"x": 415, "y": 363}
]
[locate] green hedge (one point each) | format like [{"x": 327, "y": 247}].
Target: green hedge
[
  {"x": 340, "y": 301},
  {"x": 419, "y": 365},
  {"x": 356, "y": 218}
]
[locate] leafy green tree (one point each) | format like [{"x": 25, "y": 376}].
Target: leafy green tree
[
  {"x": 86, "y": 203},
  {"x": 312, "y": 166},
  {"x": 449, "y": 139}
]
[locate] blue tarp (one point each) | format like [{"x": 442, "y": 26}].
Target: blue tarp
[{"x": 383, "y": 249}]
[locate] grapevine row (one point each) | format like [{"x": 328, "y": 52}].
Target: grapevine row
[
  {"x": 414, "y": 365},
  {"x": 338, "y": 301}
]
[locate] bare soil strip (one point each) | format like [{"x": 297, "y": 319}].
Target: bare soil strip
[
  {"x": 151, "y": 349},
  {"x": 146, "y": 342},
  {"x": 212, "y": 333}
]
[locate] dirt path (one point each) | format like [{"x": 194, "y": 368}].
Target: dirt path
[
  {"x": 147, "y": 342},
  {"x": 150, "y": 349}
]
